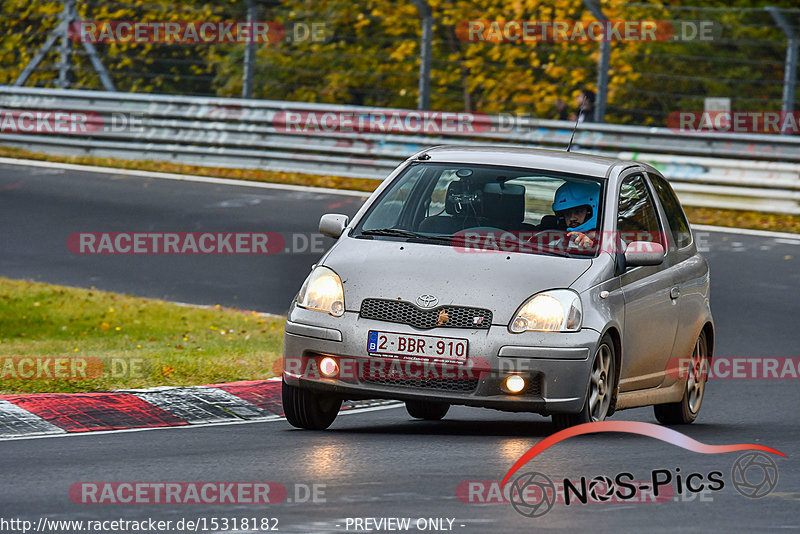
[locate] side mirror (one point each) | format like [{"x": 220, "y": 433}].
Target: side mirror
[
  {"x": 642, "y": 253},
  {"x": 333, "y": 224}
]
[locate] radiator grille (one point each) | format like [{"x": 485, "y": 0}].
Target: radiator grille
[{"x": 398, "y": 311}]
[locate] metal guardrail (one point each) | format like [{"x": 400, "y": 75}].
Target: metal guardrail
[{"x": 738, "y": 171}]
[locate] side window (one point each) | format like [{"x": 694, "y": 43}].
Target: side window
[
  {"x": 677, "y": 219},
  {"x": 636, "y": 214},
  {"x": 387, "y": 215}
]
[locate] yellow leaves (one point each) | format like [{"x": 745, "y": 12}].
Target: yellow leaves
[
  {"x": 361, "y": 21},
  {"x": 403, "y": 50},
  {"x": 496, "y": 53},
  {"x": 555, "y": 71}
]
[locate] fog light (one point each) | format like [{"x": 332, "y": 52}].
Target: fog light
[
  {"x": 328, "y": 366},
  {"x": 515, "y": 383}
]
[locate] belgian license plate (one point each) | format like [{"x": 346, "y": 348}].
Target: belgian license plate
[{"x": 434, "y": 347}]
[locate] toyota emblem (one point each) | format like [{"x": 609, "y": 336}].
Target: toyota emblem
[{"x": 427, "y": 301}]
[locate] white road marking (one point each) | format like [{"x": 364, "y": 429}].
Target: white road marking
[{"x": 181, "y": 177}]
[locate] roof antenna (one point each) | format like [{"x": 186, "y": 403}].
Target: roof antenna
[{"x": 577, "y": 118}]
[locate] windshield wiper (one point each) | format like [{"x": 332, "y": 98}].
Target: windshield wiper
[
  {"x": 397, "y": 232},
  {"x": 391, "y": 232}
]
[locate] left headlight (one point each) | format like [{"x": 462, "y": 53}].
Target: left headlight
[
  {"x": 558, "y": 310},
  {"x": 322, "y": 291}
]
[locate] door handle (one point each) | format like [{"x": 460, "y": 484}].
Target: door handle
[{"x": 674, "y": 293}]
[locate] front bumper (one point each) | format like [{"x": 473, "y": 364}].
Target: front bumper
[{"x": 556, "y": 365}]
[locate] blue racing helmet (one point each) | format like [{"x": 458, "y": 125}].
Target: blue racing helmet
[{"x": 574, "y": 194}]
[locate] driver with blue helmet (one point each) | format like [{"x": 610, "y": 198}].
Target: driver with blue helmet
[{"x": 575, "y": 204}]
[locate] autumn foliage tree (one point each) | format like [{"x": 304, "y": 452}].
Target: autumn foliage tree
[{"x": 370, "y": 55}]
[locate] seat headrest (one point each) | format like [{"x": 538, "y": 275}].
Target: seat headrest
[{"x": 504, "y": 203}]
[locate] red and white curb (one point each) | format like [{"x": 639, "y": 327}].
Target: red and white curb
[{"x": 43, "y": 414}]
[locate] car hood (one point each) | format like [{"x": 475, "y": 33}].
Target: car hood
[{"x": 391, "y": 269}]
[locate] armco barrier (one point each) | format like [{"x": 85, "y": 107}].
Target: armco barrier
[{"x": 738, "y": 171}]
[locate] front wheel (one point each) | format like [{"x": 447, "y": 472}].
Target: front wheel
[
  {"x": 685, "y": 411},
  {"x": 309, "y": 409},
  {"x": 601, "y": 389},
  {"x": 429, "y": 411}
]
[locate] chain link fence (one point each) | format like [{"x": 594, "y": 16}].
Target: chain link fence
[{"x": 369, "y": 53}]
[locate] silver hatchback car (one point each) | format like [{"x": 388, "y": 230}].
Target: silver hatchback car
[{"x": 516, "y": 279}]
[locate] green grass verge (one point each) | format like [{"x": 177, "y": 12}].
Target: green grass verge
[
  {"x": 731, "y": 218},
  {"x": 98, "y": 341}
]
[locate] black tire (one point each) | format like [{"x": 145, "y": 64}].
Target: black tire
[
  {"x": 602, "y": 381},
  {"x": 685, "y": 412},
  {"x": 309, "y": 409},
  {"x": 429, "y": 411}
]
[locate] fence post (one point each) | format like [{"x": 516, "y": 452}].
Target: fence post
[
  {"x": 65, "y": 47},
  {"x": 602, "y": 63},
  {"x": 249, "y": 53},
  {"x": 790, "y": 70},
  {"x": 68, "y": 16},
  {"x": 425, "y": 12}
]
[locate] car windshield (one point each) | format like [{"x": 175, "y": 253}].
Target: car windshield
[{"x": 489, "y": 208}]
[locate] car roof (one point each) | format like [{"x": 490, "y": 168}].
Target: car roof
[{"x": 537, "y": 158}]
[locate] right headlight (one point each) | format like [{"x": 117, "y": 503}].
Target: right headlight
[
  {"x": 322, "y": 291},
  {"x": 557, "y": 310}
]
